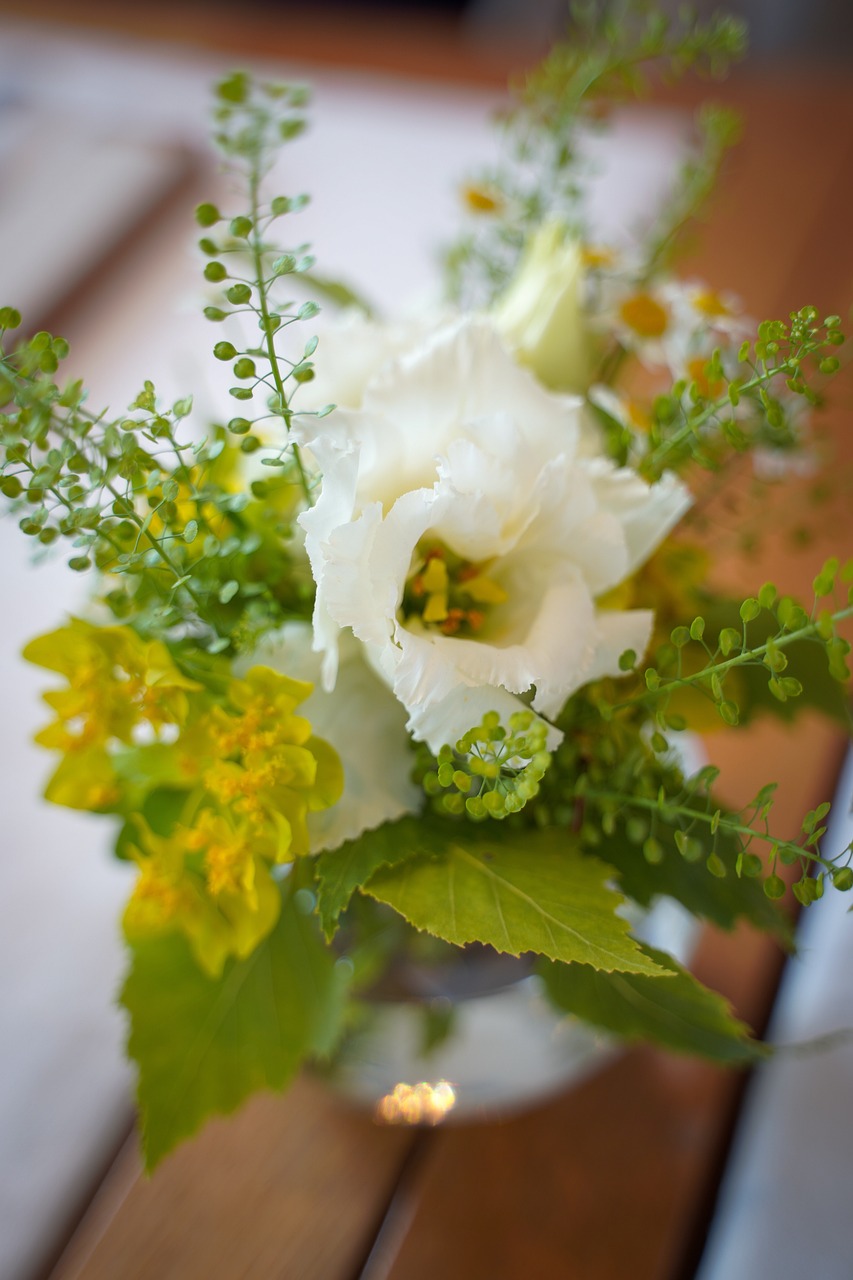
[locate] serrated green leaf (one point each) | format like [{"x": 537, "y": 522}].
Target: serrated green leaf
[
  {"x": 202, "y": 1045},
  {"x": 677, "y": 1012},
  {"x": 525, "y": 891},
  {"x": 341, "y": 871}
]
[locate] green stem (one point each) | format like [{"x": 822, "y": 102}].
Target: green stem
[
  {"x": 755, "y": 655},
  {"x": 164, "y": 556},
  {"x": 652, "y": 466},
  {"x": 269, "y": 338},
  {"x": 715, "y": 819}
]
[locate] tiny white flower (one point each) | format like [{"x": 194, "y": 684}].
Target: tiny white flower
[{"x": 464, "y": 540}]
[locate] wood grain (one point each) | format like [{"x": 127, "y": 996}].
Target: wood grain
[{"x": 291, "y": 1186}]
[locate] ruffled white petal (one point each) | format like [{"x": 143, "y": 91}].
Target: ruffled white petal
[
  {"x": 365, "y": 724},
  {"x": 647, "y": 513}
]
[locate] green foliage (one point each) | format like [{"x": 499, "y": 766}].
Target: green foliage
[
  {"x": 681, "y": 869},
  {"x": 807, "y": 661},
  {"x": 773, "y": 655},
  {"x": 676, "y": 1012},
  {"x": 203, "y": 1045},
  {"x": 161, "y": 517},
  {"x": 340, "y": 872},
  {"x": 690, "y": 424},
  {"x": 608, "y": 57},
  {"x": 521, "y": 892},
  {"x": 189, "y": 548},
  {"x": 701, "y": 830},
  {"x": 253, "y": 119}
]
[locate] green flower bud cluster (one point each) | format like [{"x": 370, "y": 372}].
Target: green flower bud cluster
[{"x": 492, "y": 771}]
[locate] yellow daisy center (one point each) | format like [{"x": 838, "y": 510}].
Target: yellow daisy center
[
  {"x": 644, "y": 315},
  {"x": 482, "y": 199},
  {"x": 711, "y": 304}
]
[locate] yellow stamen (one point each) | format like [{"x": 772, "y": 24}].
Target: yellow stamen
[{"x": 484, "y": 590}]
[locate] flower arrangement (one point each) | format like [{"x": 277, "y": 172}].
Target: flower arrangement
[{"x": 397, "y": 660}]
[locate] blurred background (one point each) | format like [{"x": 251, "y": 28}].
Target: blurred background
[
  {"x": 103, "y": 127},
  {"x": 818, "y": 29}
]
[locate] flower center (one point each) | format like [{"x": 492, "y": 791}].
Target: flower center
[
  {"x": 448, "y": 593},
  {"x": 645, "y": 315},
  {"x": 711, "y": 304}
]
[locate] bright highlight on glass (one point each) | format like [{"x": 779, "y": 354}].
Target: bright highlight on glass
[{"x": 420, "y": 1103}]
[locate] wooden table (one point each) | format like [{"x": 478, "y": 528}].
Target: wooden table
[{"x": 617, "y": 1177}]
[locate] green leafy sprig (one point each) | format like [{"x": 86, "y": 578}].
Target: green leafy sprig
[
  {"x": 189, "y": 548},
  {"x": 253, "y": 119},
  {"x": 691, "y": 425},
  {"x": 698, "y": 823},
  {"x": 734, "y": 648},
  {"x": 608, "y": 57},
  {"x": 184, "y": 552}
]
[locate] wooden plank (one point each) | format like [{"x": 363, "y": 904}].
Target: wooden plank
[
  {"x": 292, "y": 1186},
  {"x": 426, "y": 46}
]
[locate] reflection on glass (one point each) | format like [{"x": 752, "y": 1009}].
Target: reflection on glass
[{"x": 420, "y": 1103}]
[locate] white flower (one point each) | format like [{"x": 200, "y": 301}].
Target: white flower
[
  {"x": 669, "y": 324},
  {"x": 464, "y": 540},
  {"x": 356, "y": 348},
  {"x": 363, "y": 722}
]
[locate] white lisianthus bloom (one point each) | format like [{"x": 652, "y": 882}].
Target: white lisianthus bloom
[
  {"x": 377, "y": 763},
  {"x": 464, "y": 540},
  {"x": 354, "y": 349}
]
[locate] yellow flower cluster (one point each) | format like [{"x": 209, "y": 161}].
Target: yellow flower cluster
[
  {"x": 121, "y": 689},
  {"x": 253, "y": 772},
  {"x": 215, "y": 789}
]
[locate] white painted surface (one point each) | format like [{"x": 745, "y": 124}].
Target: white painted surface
[{"x": 784, "y": 1208}]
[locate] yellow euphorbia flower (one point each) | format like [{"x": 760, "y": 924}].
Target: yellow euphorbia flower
[
  {"x": 257, "y": 771},
  {"x": 174, "y": 894},
  {"x": 120, "y": 687},
  {"x": 116, "y": 682}
]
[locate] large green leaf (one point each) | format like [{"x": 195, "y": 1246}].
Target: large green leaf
[
  {"x": 676, "y": 1012},
  {"x": 724, "y": 900},
  {"x": 203, "y": 1045},
  {"x": 341, "y": 871},
  {"x": 517, "y": 891}
]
